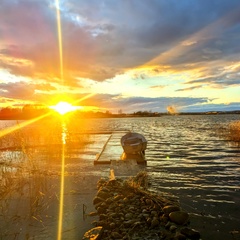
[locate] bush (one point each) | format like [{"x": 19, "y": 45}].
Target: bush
[{"x": 234, "y": 132}]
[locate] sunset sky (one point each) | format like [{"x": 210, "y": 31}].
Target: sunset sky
[{"x": 133, "y": 55}]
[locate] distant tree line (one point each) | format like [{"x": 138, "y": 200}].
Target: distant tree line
[
  {"x": 32, "y": 111},
  {"x": 26, "y": 112}
]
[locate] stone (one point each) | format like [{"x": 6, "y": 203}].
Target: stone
[
  {"x": 128, "y": 216},
  {"x": 118, "y": 197},
  {"x": 179, "y": 236},
  {"x": 154, "y": 223},
  {"x": 92, "y": 214},
  {"x": 116, "y": 235},
  {"x": 168, "y": 209},
  {"x": 103, "y": 195},
  {"x": 179, "y": 217},
  {"x": 112, "y": 225},
  {"x": 173, "y": 228},
  {"x": 100, "y": 210},
  {"x": 93, "y": 234},
  {"x": 154, "y": 213},
  {"x": 128, "y": 223},
  {"x": 128, "y": 213},
  {"x": 191, "y": 233},
  {"x": 97, "y": 200}
]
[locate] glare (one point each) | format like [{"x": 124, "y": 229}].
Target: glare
[{"x": 64, "y": 107}]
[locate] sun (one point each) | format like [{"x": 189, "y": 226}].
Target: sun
[{"x": 64, "y": 107}]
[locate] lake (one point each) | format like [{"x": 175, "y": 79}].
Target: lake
[{"x": 187, "y": 157}]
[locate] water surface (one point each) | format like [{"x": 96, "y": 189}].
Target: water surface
[{"x": 186, "y": 156}]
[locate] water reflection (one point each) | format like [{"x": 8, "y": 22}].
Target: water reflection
[
  {"x": 186, "y": 156},
  {"x": 64, "y": 133}
]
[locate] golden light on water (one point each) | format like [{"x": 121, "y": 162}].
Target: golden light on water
[
  {"x": 61, "y": 202},
  {"x": 9, "y": 130}
]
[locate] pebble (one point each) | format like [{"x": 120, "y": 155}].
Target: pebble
[
  {"x": 130, "y": 212},
  {"x": 179, "y": 217},
  {"x": 93, "y": 234},
  {"x": 168, "y": 209}
]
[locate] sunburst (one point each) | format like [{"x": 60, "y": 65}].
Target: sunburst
[{"x": 64, "y": 107}]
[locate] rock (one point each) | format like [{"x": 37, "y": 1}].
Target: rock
[
  {"x": 118, "y": 197},
  {"x": 168, "y": 209},
  {"x": 97, "y": 200},
  {"x": 101, "y": 182},
  {"x": 109, "y": 200},
  {"x": 103, "y": 195},
  {"x": 93, "y": 234},
  {"x": 154, "y": 213},
  {"x": 92, "y": 214},
  {"x": 191, "y": 233},
  {"x": 100, "y": 210},
  {"x": 116, "y": 235},
  {"x": 128, "y": 216},
  {"x": 179, "y": 217},
  {"x": 163, "y": 219},
  {"x": 155, "y": 223},
  {"x": 179, "y": 236},
  {"x": 112, "y": 225},
  {"x": 173, "y": 228},
  {"x": 103, "y": 216},
  {"x": 128, "y": 223},
  {"x": 129, "y": 212}
]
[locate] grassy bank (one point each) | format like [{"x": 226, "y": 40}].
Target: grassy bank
[{"x": 30, "y": 172}]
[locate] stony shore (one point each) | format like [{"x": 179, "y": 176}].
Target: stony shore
[{"x": 126, "y": 209}]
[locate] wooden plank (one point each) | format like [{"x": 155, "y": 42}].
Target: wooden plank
[{"x": 112, "y": 149}]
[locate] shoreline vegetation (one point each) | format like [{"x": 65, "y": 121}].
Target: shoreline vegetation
[{"x": 29, "y": 112}]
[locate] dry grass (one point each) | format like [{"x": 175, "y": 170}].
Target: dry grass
[
  {"x": 231, "y": 133},
  {"x": 234, "y": 132},
  {"x": 140, "y": 181},
  {"x": 26, "y": 159}
]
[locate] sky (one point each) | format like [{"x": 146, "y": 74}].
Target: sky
[{"x": 128, "y": 55}]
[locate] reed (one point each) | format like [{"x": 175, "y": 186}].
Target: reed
[
  {"x": 140, "y": 181},
  {"x": 28, "y": 176},
  {"x": 234, "y": 132},
  {"x": 230, "y": 133}
]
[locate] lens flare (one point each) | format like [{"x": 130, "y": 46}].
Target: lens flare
[
  {"x": 60, "y": 218},
  {"x": 9, "y": 130},
  {"x": 59, "y": 27},
  {"x": 64, "y": 107}
]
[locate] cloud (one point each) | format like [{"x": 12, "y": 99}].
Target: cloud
[
  {"x": 23, "y": 90},
  {"x": 158, "y": 87},
  {"x": 131, "y": 104},
  {"x": 17, "y": 90},
  {"x": 105, "y": 40},
  {"x": 99, "y": 41}
]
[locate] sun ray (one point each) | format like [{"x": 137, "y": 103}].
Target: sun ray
[
  {"x": 60, "y": 217},
  {"x": 86, "y": 97},
  {"x": 59, "y": 27},
  {"x": 62, "y": 184},
  {"x": 9, "y": 130}
]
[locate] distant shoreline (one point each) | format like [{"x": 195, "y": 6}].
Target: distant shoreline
[{"x": 110, "y": 115}]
